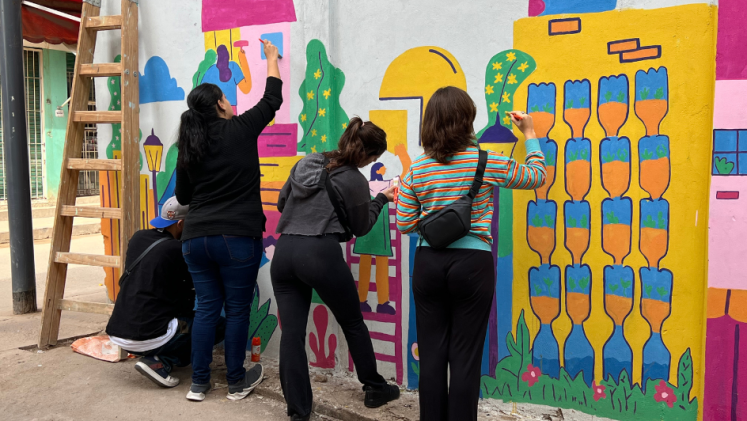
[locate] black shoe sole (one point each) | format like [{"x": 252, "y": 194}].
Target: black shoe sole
[{"x": 377, "y": 404}]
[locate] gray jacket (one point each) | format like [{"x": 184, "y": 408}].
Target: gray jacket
[{"x": 307, "y": 210}]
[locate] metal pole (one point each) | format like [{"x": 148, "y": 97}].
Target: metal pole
[{"x": 15, "y": 149}]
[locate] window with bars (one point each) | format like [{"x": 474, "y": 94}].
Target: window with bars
[
  {"x": 88, "y": 181},
  {"x": 33, "y": 87}
]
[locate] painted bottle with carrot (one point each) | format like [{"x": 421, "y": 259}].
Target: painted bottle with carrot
[
  {"x": 654, "y": 238},
  {"x": 579, "y": 354},
  {"x": 653, "y": 153},
  {"x": 614, "y": 157},
  {"x": 613, "y": 104},
  {"x": 541, "y": 217},
  {"x": 619, "y": 285},
  {"x": 544, "y": 294},
  {"x": 656, "y": 306},
  {"x": 541, "y": 106},
  {"x": 577, "y": 229},
  {"x": 652, "y": 98},
  {"x": 577, "y": 149},
  {"x": 617, "y": 215}
]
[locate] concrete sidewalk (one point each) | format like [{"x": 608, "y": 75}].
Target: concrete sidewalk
[
  {"x": 60, "y": 385},
  {"x": 43, "y": 220}
]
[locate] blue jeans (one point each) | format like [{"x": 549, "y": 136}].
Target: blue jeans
[
  {"x": 177, "y": 351},
  {"x": 224, "y": 272}
]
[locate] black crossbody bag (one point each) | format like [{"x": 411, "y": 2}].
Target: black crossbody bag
[
  {"x": 454, "y": 221},
  {"x": 326, "y": 184}
]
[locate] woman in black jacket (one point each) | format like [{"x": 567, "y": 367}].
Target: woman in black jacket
[
  {"x": 218, "y": 177},
  {"x": 308, "y": 256}
]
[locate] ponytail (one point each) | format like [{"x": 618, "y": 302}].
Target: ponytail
[
  {"x": 193, "y": 139},
  {"x": 359, "y": 142}
]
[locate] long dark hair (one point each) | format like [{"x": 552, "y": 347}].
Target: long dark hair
[
  {"x": 223, "y": 64},
  {"x": 448, "y": 123},
  {"x": 193, "y": 131},
  {"x": 359, "y": 142}
]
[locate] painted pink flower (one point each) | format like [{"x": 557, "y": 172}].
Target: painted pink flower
[
  {"x": 531, "y": 376},
  {"x": 415, "y": 351},
  {"x": 599, "y": 392},
  {"x": 665, "y": 393}
]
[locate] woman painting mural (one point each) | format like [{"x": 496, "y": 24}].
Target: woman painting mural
[{"x": 227, "y": 75}]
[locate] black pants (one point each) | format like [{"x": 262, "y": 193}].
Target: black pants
[
  {"x": 301, "y": 263},
  {"x": 453, "y": 291}
]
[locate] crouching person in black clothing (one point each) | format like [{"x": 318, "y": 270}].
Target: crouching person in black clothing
[{"x": 154, "y": 310}]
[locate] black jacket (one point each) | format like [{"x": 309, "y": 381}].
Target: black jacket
[
  {"x": 157, "y": 290},
  {"x": 307, "y": 210},
  {"x": 222, "y": 191}
]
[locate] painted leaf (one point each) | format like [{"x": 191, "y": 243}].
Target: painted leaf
[
  {"x": 724, "y": 166},
  {"x": 685, "y": 377},
  {"x": 211, "y": 57},
  {"x": 322, "y": 118}
]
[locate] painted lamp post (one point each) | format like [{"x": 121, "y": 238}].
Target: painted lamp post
[{"x": 153, "y": 153}]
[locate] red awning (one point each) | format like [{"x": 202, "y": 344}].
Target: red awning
[{"x": 40, "y": 26}]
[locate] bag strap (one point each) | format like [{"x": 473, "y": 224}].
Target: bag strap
[
  {"x": 325, "y": 181},
  {"x": 135, "y": 263},
  {"x": 481, "y": 164}
]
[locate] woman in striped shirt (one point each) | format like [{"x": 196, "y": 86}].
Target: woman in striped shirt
[{"x": 453, "y": 287}]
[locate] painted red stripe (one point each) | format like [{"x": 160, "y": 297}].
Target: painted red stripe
[
  {"x": 379, "y": 336},
  {"x": 727, "y": 195},
  {"x": 386, "y": 358}
]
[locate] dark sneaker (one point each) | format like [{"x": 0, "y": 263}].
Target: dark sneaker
[
  {"x": 154, "y": 370},
  {"x": 386, "y": 308},
  {"x": 197, "y": 392},
  {"x": 252, "y": 379},
  {"x": 379, "y": 396},
  {"x": 296, "y": 417}
]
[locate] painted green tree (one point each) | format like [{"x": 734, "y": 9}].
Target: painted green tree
[
  {"x": 322, "y": 118},
  {"x": 506, "y": 71},
  {"x": 211, "y": 57},
  {"x": 115, "y": 104}
]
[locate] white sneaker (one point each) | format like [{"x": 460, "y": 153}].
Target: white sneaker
[
  {"x": 197, "y": 392},
  {"x": 153, "y": 369},
  {"x": 252, "y": 379}
]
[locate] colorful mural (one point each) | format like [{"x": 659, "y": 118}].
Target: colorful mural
[{"x": 605, "y": 300}]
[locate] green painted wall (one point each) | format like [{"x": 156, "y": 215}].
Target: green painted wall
[{"x": 55, "y": 93}]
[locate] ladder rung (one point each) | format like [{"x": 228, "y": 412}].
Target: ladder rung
[
  {"x": 87, "y": 259},
  {"x": 94, "y": 164},
  {"x": 101, "y": 69},
  {"x": 97, "y": 116},
  {"x": 85, "y": 307},
  {"x": 104, "y": 23},
  {"x": 91, "y": 212}
]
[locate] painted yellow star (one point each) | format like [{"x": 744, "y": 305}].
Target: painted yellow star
[
  {"x": 344, "y": 125},
  {"x": 303, "y": 117},
  {"x": 327, "y": 93},
  {"x": 506, "y": 120},
  {"x": 524, "y": 66},
  {"x": 498, "y": 78},
  {"x": 489, "y": 90},
  {"x": 318, "y": 74},
  {"x": 322, "y": 112},
  {"x": 310, "y": 95},
  {"x": 511, "y": 56},
  {"x": 512, "y": 79},
  {"x": 324, "y": 138},
  {"x": 313, "y": 133},
  {"x": 507, "y": 97},
  {"x": 494, "y": 108},
  {"x": 313, "y": 149},
  {"x": 497, "y": 65}
]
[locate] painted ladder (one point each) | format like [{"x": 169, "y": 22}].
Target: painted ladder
[{"x": 60, "y": 257}]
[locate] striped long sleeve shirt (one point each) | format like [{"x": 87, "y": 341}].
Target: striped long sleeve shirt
[{"x": 430, "y": 186}]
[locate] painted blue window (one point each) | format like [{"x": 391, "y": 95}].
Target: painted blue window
[
  {"x": 276, "y": 38},
  {"x": 729, "y": 152}
]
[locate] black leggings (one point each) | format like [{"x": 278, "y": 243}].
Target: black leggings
[
  {"x": 301, "y": 263},
  {"x": 453, "y": 291}
]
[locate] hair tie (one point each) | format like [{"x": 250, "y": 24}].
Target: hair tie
[{"x": 363, "y": 123}]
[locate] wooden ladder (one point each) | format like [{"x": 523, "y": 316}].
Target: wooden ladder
[{"x": 60, "y": 257}]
